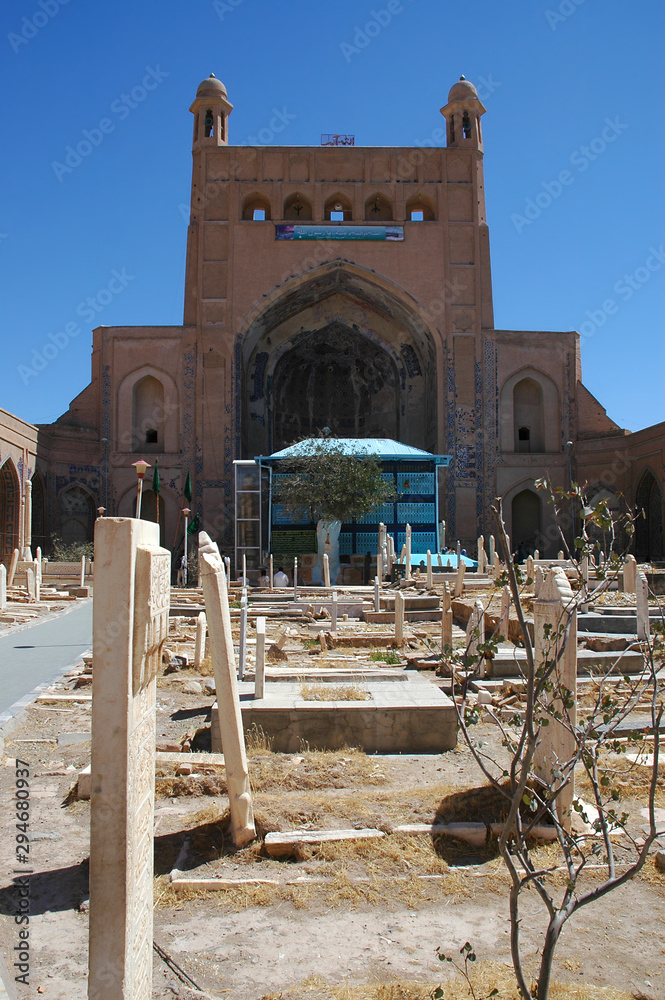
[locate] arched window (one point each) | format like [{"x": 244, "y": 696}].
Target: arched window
[
  {"x": 209, "y": 127},
  {"x": 378, "y": 208},
  {"x": 297, "y": 208},
  {"x": 419, "y": 209},
  {"x": 466, "y": 125},
  {"x": 526, "y": 526},
  {"x": 528, "y": 416},
  {"x": 338, "y": 209},
  {"x": 148, "y": 415},
  {"x": 77, "y": 516},
  {"x": 10, "y": 509},
  {"x": 256, "y": 208}
]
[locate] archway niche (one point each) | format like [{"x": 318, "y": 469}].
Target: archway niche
[
  {"x": 77, "y": 516},
  {"x": 148, "y": 416},
  {"x": 649, "y": 528},
  {"x": 378, "y": 208},
  {"x": 529, "y": 424},
  {"x": 10, "y": 509},
  {"x": 38, "y": 527},
  {"x": 526, "y": 511},
  {"x": 297, "y": 208},
  {"x": 334, "y": 378},
  {"x": 337, "y": 349}
]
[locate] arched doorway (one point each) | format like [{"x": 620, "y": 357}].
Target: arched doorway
[
  {"x": 77, "y": 516},
  {"x": 10, "y": 509},
  {"x": 529, "y": 425},
  {"x": 526, "y": 523},
  {"x": 649, "y": 525},
  {"x": 38, "y": 531}
]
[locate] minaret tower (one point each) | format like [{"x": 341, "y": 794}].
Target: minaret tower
[
  {"x": 211, "y": 110},
  {"x": 462, "y": 114}
]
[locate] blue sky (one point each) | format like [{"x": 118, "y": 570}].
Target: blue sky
[{"x": 573, "y": 159}]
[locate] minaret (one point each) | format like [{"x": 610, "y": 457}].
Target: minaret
[
  {"x": 211, "y": 110},
  {"x": 462, "y": 114}
]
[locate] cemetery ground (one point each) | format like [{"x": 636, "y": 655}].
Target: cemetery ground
[{"x": 352, "y": 919}]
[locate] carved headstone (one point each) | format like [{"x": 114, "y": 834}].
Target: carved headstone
[
  {"x": 429, "y": 581},
  {"x": 459, "y": 581},
  {"x": 13, "y": 564},
  {"x": 642, "y": 600},
  {"x": 475, "y": 634},
  {"x": 399, "y": 617},
  {"x": 629, "y": 574},
  {"x": 260, "y": 668},
  {"x": 216, "y": 600},
  {"x": 3, "y": 587},
  {"x": 130, "y": 623},
  {"x": 555, "y": 639},
  {"x": 408, "y": 552},
  {"x": 482, "y": 558}
]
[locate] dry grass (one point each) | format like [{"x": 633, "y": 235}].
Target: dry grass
[
  {"x": 485, "y": 977},
  {"x": 631, "y": 779},
  {"x": 334, "y": 692}
]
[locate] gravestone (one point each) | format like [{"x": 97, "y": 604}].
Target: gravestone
[
  {"x": 492, "y": 546},
  {"x": 295, "y": 578},
  {"x": 429, "y": 581},
  {"x": 271, "y": 572},
  {"x": 446, "y": 619},
  {"x": 538, "y": 581},
  {"x": 503, "y": 626},
  {"x": 629, "y": 574},
  {"x": 31, "y": 583},
  {"x": 82, "y": 571},
  {"x": 642, "y": 601},
  {"x": 333, "y": 612},
  {"x": 459, "y": 581},
  {"x": 216, "y": 600},
  {"x": 242, "y": 640},
  {"x": 260, "y": 668},
  {"x": 130, "y": 624},
  {"x": 475, "y": 634},
  {"x": 481, "y": 554},
  {"x": 408, "y": 552},
  {"x": 529, "y": 568},
  {"x": 37, "y": 570},
  {"x": 3, "y": 587},
  {"x": 13, "y": 563},
  {"x": 555, "y": 638},
  {"x": 377, "y": 594},
  {"x": 399, "y": 617},
  {"x": 326, "y": 569},
  {"x": 200, "y": 642}
]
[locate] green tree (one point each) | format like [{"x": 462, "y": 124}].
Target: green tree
[{"x": 330, "y": 484}]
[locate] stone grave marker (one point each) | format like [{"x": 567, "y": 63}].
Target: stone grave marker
[
  {"x": 3, "y": 587},
  {"x": 629, "y": 574},
  {"x": 642, "y": 601},
  {"x": 408, "y": 552},
  {"x": 242, "y": 640},
  {"x": 475, "y": 634},
  {"x": 37, "y": 570},
  {"x": 216, "y": 599},
  {"x": 399, "y": 617},
  {"x": 260, "y": 668},
  {"x": 326, "y": 569},
  {"x": 200, "y": 642},
  {"x": 31, "y": 583},
  {"x": 459, "y": 581},
  {"x": 13, "y": 563},
  {"x": 429, "y": 579},
  {"x": 555, "y": 637},
  {"x": 130, "y": 625},
  {"x": 377, "y": 594},
  {"x": 504, "y": 620},
  {"x": 481, "y": 554},
  {"x": 333, "y": 612},
  {"x": 492, "y": 549},
  {"x": 82, "y": 571}
]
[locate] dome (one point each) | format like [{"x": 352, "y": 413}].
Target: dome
[
  {"x": 212, "y": 87},
  {"x": 463, "y": 90}
]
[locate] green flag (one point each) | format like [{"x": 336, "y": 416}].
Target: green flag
[
  {"x": 155, "y": 479},
  {"x": 194, "y": 526},
  {"x": 188, "y": 489}
]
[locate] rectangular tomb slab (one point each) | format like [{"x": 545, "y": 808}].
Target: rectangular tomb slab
[{"x": 409, "y": 717}]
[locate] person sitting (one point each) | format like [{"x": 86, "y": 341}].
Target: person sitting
[
  {"x": 264, "y": 579},
  {"x": 280, "y": 578}
]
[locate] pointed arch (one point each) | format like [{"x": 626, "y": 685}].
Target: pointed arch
[
  {"x": 10, "y": 509},
  {"x": 256, "y": 207},
  {"x": 379, "y": 208},
  {"x": 649, "y": 524},
  {"x": 38, "y": 511},
  {"x": 76, "y": 507},
  {"x": 529, "y": 403},
  {"x": 155, "y": 408},
  {"x": 298, "y": 208},
  {"x": 338, "y": 208}
]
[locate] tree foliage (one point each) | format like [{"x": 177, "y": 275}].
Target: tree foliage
[{"x": 330, "y": 484}]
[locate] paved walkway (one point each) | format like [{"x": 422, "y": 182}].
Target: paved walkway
[{"x": 34, "y": 656}]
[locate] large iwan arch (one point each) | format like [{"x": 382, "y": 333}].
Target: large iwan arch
[{"x": 342, "y": 348}]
